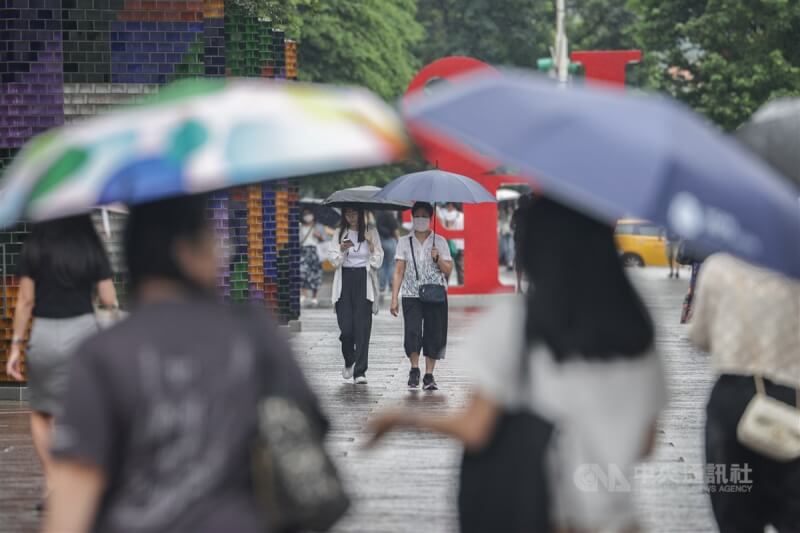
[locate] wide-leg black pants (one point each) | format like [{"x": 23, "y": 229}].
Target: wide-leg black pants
[{"x": 354, "y": 314}]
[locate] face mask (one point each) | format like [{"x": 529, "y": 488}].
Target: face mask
[
  {"x": 308, "y": 218},
  {"x": 421, "y": 224},
  {"x": 451, "y": 216}
]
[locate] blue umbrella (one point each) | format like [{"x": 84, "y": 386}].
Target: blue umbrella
[
  {"x": 436, "y": 186},
  {"x": 611, "y": 154}
]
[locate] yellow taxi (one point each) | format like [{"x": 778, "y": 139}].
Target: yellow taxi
[{"x": 640, "y": 243}]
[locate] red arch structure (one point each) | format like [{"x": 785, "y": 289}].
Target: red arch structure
[{"x": 480, "y": 231}]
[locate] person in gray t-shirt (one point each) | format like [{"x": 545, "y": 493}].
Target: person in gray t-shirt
[{"x": 160, "y": 414}]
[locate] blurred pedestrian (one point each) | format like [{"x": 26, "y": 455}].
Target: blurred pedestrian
[
  {"x": 454, "y": 220},
  {"x": 505, "y": 236},
  {"x": 423, "y": 266},
  {"x": 389, "y": 232},
  {"x": 671, "y": 243},
  {"x": 311, "y": 235},
  {"x": 357, "y": 256},
  {"x": 62, "y": 265},
  {"x": 688, "y": 256},
  {"x": 577, "y": 354},
  {"x": 748, "y": 318},
  {"x": 517, "y": 221},
  {"x": 160, "y": 414}
]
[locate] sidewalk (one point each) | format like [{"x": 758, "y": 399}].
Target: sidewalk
[{"x": 409, "y": 483}]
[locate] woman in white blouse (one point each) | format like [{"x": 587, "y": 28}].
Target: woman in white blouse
[
  {"x": 748, "y": 318},
  {"x": 578, "y": 353},
  {"x": 356, "y": 253}
]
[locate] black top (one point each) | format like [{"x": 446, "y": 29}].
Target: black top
[
  {"x": 387, "y": 224},
  {"x": 53, "y": 298},
  {"x": 164, "y": 403}
]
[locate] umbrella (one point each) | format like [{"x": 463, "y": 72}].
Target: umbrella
[
  {"x": 607, "y": 154},
  {"x": 436, "y": 186},
  {"x": 364, "y": 196},
  {"x": 197, "y": 136},
  {"x": 773, "y": 132},
  {"x": 324, "y": 214},
  {"x": 504, "y": 195}
]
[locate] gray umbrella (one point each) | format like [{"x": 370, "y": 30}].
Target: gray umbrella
[
  {"x": 437, "y": 186},
  {"x": 773, "y": 132},
  {"x": 364, "y": 196}
]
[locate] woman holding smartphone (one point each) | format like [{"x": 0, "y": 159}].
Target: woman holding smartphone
[{"x": 357, "y": 255}]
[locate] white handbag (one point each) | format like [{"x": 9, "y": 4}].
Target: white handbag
[{"x": 769, "y": 426}]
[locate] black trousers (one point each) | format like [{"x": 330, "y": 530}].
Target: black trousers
[
  {"x": 425, "y": 328},
  {"x": 354, "y": 314},
  {"x": 775, "y": 494}
]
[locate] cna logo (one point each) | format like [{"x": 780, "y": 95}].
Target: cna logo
[
  {"x": 692, "y": 219},
  {"x": 593, "y": 478}
]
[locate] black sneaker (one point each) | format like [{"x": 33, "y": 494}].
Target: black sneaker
[
  {"x": 428, "y": 383},
  {"x": 413, "y": 378}
]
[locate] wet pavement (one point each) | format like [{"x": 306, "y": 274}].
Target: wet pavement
[{"x": 409, "y": 482}]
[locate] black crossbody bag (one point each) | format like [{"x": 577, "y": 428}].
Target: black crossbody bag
[
  {"x": 503, "y": 486},
  {"x": 430, "y": 293}
]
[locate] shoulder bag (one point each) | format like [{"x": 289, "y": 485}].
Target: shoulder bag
[
  {"x": 295, "y": 482},
  {"x": 503, "y": 486},
  {"x": 430, "y": 293},
  {"x": 769, "y": 426}
]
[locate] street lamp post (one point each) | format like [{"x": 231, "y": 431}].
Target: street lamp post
[{"x": 561, "y": 45}]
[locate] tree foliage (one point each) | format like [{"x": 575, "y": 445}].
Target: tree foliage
[
  {"x": 725, "y": 58},
  {"x": 600, "y": 25},
  {"x": 512, "y": 32}
]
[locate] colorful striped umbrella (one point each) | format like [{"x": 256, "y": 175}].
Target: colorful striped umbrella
[{"x": 198, "y": 136}]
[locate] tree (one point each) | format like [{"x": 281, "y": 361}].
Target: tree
[
  {"x": 725, "y": 58},
  {"x": 600, "y": 25},
  {"x": 512, "y": 32},
  {"x": 369, "y": 43}
]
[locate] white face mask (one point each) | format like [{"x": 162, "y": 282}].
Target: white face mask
[
  {"x": 422, "y": 224},
  {"x": 451, "y": 216},
  {"x": 308, "y": 218}
]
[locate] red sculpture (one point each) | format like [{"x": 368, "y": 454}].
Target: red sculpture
[{"x": 480, "y": 220}]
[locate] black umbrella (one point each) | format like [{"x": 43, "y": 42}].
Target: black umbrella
[
  {"x": 773, "y": 132},
  {"x": 364, "y": 197},
  {"x": 324, "y": 214}
]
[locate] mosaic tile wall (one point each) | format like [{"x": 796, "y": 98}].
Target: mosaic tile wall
[{"x": 64, "y": 60}]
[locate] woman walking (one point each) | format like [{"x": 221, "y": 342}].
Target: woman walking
[
  {"x": 311, "y": 235},
  {"x": 423, "y": 260},
  {"x": 576, "y": 354},
  {"x": 160, "y": 416},
  {"x": 747, "y": 318},
  {"x": 62, "y": 265},
  {"x": 357, "y": 255}
]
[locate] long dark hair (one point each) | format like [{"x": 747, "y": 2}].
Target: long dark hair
[
  {"x": 151, "y": 234},
  {"x": 362, "y": 223},
  {"x": 69, "y": 247},
  {"x": 582, "y": 303}
]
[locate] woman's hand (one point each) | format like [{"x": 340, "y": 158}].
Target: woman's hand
[
  {"x": 395, "y": 307},
  {"x": 346, "y": 245},
  {"x": 14, "y": 364},
  {"x": 378, "y": 427}
]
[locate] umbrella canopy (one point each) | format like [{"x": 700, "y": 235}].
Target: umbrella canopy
[
  {"x": 436, "y": 186},
  {"x": 773, "y": 132},
  {"x": 364, "y": 196},
  {"x": 608, "y": 154},
  {"x": 197, "y": 136}
]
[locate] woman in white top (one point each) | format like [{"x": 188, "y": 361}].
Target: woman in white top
[
  {"x": 748, "y": 318},
  {"x": 357, "y": 255},
  {"x": 591, "y": 373}
]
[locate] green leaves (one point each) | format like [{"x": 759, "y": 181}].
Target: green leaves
[{"x": 739, "y": 53}]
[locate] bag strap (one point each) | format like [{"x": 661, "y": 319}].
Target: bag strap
[
  {"x": 762, "y": 391},
  {"x": 413, "y": 257}
]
